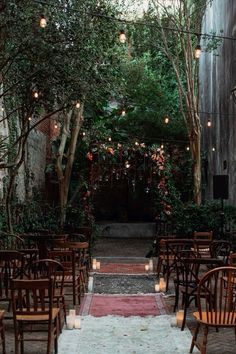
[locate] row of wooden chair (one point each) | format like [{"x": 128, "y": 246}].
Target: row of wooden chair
[{"x": 67, "y": 265}]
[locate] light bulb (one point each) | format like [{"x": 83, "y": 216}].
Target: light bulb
[
  {"x": 36, "y": 94},
  {"x": 166, "y": 119},
  {"x": 123, "y": 113},
  {"x": 127, "y": 164},
  {"x": 162, "y": 146},
  {"x": 197, "y": 51},
  {"x": 77, "y": 104},
  {"x": 42, "y": 22},
  {"x": 29, "y": 119},
  {"x": 109, "y": 139},
  {"x": 213, "y": 149},
  {"x": 83, "y": 133},
  {"x": 136, "y": 143},
  {"x": 55, "y": 126},
  {"x": 209, "y": 123},
  {"x": 187, "y": 148},
  {"x": 122, "y": 36}
]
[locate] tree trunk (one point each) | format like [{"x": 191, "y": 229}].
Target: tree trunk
[{"x": 75, "y": 121}]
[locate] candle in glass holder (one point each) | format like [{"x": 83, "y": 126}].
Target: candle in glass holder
[
  {"x": 173, "y": 322},
  {"x": 77, "y": 323},
  {"x": 98, "y": 265},
  {"x": 94, "y": 265},
  {"x": 72, "y": 313},
  {"x": 157, "y": 288},
  {"x": 146, "y": 267},
  {"x": 70, "y": 321},
  {"x": 151, "y": 265},
  {"x": 162, "y": 285},
  {"x": 180, "y": 317}
]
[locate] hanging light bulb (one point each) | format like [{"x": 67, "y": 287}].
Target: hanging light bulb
[
  {"x": 35, "y": 94},
  {"x": 127, "y": 164},
  {"x": 136, "y": 143},
  {"x": 55, "y": 125},
  {"x": 29, "y": 119},
  {"x": 166, "y": 119},
  {"x": 77, "y": 104},
  {"x": 187, "y": 148},
  {"x": 197, "y": 51},
  {"x": 162, "y": 146},
  {"x": 213, "y": 149},
  {"x": 109, "y": 139},
  {"x": 209, "y": 123},
  {"x": 42, "y": 22},
  {"x": 122, "y": 36},
  {"x": 83, "y": 133},
  {"x": 123, "y": 113}
]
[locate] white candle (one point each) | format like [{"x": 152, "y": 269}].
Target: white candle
[
  {"x": 77, "y": 323},
  {"x": 98, "y": 265},
  {"x": 90, "y": 284},
  {"x": 146, "y": 267},
  {"x": 151, "y": 264},
  {"x": 72, "y": 313},
  {"x": 180, "y": 317},
  {"x": 162, "y": 284},
  {"x": 94, "y": 264},
  {"x": 70, "y": 321},
  {"x": 157, "y": 288}
]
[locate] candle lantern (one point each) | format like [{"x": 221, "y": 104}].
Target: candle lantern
[
  {"x": 77, "y": 323},
  {"x": 180, "y": 318},
  {"x": 157, "y": 288},
  {"x": 70, "y": 321},
  {"x": 98, "y": 265},
  {"x": 151, "y": 265},
  {"x": 146, "y": 267},
  {"x": 162, "y": 285},
  {"x": 94, "y": 264}
]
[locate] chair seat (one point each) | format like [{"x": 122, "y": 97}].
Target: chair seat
[
  {"x": 216, "y": 319},
  {"x": 35, "y": 318}
]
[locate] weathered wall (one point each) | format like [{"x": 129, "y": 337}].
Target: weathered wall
[
  {"x": 217, "y": 78},
  {"x": 31, "y": 178}
]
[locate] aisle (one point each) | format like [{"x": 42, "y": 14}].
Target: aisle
[{"x": 112, "y": 323}]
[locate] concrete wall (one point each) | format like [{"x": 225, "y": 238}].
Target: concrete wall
[
  {"x": 129, "y": 230},
  {"x": 217, "y": 78}
]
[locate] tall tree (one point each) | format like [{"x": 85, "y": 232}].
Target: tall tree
[{"x": 178, "y": 23}]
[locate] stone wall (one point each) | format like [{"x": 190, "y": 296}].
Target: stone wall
[{"x": 217, "y": 78}]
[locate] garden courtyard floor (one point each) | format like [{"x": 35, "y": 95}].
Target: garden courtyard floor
[{"x": 134, "y": 320}]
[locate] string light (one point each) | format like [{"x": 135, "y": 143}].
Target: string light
[
  {"x": 127, "y": 164},
  {"x": 122, "y": 36},
  {"x": 166, "y": 119},
  {"x": 109, "y": 139},
  {"x": 55, "y": 125},
  {"x": 209, "y": 123},
  {"x": 83, "y": 133},
  {"x": 197, "y": 51},
  {"x": 187, "y": 148},
  {"x": 42, "y": 22},
  {"x": 36, "y": 94},
  {"x": 77, "y": 104},
  {"x": 123, "y": 113},
  {"x": 213, "y": 149},
  {"x": 29, "y": 119}
]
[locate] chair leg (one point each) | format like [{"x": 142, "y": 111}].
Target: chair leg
[
  {"x": 204, "y": 342},
  {"x": 194, "y": 339}
]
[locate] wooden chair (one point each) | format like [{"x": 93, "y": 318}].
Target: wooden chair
[
  {"x": 12, "y": 265},
  {"x": 167, "y": 256},
  {"x": 2, "y": 332},
  {"x": 216, "y": 303},
  {"x": 220, "y": 249},
  {"x": 82, "y": 259},
  {"x": 72, "y": 279},
  {"x": 232, "y": 259},
  {"x": 32, "y": 303},
  {"x": 186, "y": 279},
  {"x": 48, "y": 268},
  {"x": 202, "y": 241}
]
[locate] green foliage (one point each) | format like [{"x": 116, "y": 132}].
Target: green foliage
[{"x": 189, "y": 217}]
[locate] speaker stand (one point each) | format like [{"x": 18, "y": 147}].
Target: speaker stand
[{"x": 222, "y": 217}]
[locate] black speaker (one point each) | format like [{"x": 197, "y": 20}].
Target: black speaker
[{"x": 221, "y": 187}]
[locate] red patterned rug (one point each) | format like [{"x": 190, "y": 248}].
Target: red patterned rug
[{"x": 123, "y": 305}]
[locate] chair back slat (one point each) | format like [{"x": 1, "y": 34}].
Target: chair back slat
[{"x": 216, "y": 296}]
